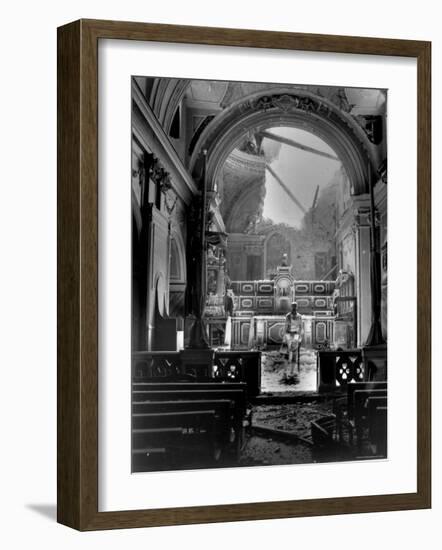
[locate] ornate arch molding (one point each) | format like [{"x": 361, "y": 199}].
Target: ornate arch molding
[
  {"x": 297, "y": 108},
  {"x": 165, "y": 97}
]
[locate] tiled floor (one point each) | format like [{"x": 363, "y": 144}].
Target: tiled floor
[{"x": 275, "y": 368}]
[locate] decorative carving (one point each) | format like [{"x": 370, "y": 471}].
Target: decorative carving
[
  {"x": 284, "y": 104},
  {"x": 382, "y": 171},
  {"x": 344, "y": 277},
  {"x": 170, "y": 203},
  {"x": 159, "y": 175},
  {"x": 337, "y": 96},
  {"x": 377, "y": 218},
  {"x": 384, "y": 257},
  {"x": 362, "y": 217},
  {"x": 211, "y": 256},
  {"x": 289, "y": 102},
  {"x": 372, "y": 126}
]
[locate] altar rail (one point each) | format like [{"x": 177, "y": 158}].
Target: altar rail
[
  {"x": 268, "y": 331},
  {"x": 227, "y": 366},
  {"x": 337, "y": 369}
]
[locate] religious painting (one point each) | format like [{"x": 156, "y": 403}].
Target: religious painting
[{"x": 259, "y": 282}]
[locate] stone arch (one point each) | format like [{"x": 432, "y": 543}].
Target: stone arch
[
  {"x": 292, "y": 107},
  {"x": 165, "y": 97}
]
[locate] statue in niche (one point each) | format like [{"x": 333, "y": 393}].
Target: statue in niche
[
  {"x": 284, "y": 260},
  {"x": 222, "y": 259},
  {"x": 211, "y": 256},
  {"x": 227, "y": 280},
  {"x": 228, "y": 302},
  {"x": 211, "y": 282},
  {"x": 251, "y": 145}
]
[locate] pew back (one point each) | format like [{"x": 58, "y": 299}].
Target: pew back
[{"x": 360, "y": 386}]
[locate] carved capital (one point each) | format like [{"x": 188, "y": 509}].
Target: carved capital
[
  {"x": 362, "y": 217},
  {"x": 377, "y": 218},
  {"x": 170, "y": 202},
  {"x": 159, "y": 175}
]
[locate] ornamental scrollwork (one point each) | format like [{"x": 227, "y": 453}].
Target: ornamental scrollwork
[
  {"x": 290, "y": 102},
  {"x": 160, "y": 176}
]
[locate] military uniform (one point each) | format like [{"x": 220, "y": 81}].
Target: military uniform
[{"x": 294, "y": 332}]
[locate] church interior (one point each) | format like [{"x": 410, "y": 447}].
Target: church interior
[{"x": 251, "y": 201}]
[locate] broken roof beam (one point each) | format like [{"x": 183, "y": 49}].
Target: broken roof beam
[
  {"x": 296, "y": 144},
  {"x": 286, "y": 189},
  {"x": 315, "y": 198}
]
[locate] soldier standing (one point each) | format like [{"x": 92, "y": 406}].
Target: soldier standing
[{"x": 294, "y": 332}]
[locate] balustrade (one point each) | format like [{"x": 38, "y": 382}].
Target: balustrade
[
  {"x": 226, "y": 366},
  {"x": 336, "y": 369}
]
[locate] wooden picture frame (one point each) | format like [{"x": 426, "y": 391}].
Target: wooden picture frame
[{"x": 77, "y": 461}]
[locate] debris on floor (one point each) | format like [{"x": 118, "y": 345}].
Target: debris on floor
[
  {"x": 290, "y": 379},
  {"x": 277, "y": 375}
]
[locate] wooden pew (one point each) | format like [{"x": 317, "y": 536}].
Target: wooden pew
[
  {"x": 349, "y": 414},
  {"x": 192, "y": 419},
  {"x": 180, "y": 435},
  {"x": 381, "y": 431},
  {"x": 223, "y": 406},
  {"x": 377, "y": 424},
  {"x": 180, "y": 419},
  {"x": 174, "y": 385},
  {"x": 151, "y": 366},
  {"x": 150, "y": 458},
  {"x": 237, "y": 396},
  {"x": 360, "y": 417},
  {"x": 357, "y": 386}
]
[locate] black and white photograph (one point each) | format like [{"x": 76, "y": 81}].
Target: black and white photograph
[
  {"x": 218, "y": 266},
  {"x": 259, "y": 274}
]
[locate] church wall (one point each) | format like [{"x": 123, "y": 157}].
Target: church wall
[
  {"x": 161, "y": 194},
  {"x": 335, "y": 232},
  {"x": 363, "y": 282},
  {"x": 381, "y": 205},
  {"x": 353, "y": 250},
  {"x": 240, "y": 247},
  {"x": 160, "y": 225}
]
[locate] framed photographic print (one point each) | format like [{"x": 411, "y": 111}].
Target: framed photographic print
[{"x": 243, "y": 275}]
